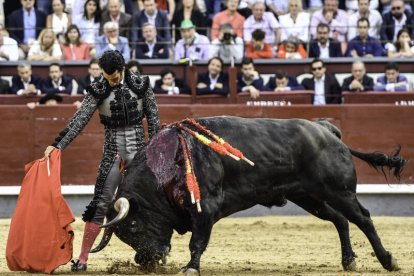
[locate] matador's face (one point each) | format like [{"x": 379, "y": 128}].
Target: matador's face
[{"x": 115, "y": 78}]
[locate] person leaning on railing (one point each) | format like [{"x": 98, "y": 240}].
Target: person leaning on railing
[
  {"x": 392, "y": 80},
  {"x": 326, "y": 87}
]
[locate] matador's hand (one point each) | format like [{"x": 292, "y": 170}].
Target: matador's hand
[{"x": 48, "y": 150}]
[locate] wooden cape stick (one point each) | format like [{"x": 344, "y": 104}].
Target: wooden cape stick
[{"x": 191, "y": 180}]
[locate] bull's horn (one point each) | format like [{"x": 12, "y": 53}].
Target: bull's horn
[
  {"x": 121, "y": 205},
  {"x": 106, "y": 237}
]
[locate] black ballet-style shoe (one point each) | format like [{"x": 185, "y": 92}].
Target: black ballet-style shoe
[{"x": 78, "y": 267}]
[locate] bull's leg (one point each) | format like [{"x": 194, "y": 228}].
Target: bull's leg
[
  {"x": 323, "y": 211},
  {"x": 352, "y": 209},
  {"x": 201, "y": 232}
]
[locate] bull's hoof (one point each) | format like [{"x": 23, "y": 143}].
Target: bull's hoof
[
  {"x": 190, "y": 272},
  {"x": 350, "y": 265},
  {"x": 393, "y": 265},
  {"x": 164, "y": 260},
  {"x": 149, "y": 267},
  {"x": 165, "y": 255}
]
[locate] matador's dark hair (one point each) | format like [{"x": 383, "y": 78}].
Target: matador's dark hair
[{"x": 111, "y": 61}]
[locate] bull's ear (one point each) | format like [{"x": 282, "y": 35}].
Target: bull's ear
[{"x": 161, "y": 153}]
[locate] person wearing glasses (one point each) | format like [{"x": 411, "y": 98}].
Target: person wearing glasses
[
  {"x": 326, "y": 87},
  {"x": 111, "y": 40},
  {"x": 395, "y": 20},
  {"x": 24, "y": 25}
]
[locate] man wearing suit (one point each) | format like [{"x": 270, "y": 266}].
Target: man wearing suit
[
  {"x": 112, "y": 41},
  {"x": 323, "y": 46},
  {"x": 94, "y": 72},
  {"x": 25, "y": 83},
  {"x": 151, "y": 45},
  {"x": 114, "y": 14},
  {"x": 57, "y": 82},
  {"x": 395, "y": 20},
  {"x": 215, "y": 81},
  {"x": 359, "y": 81},
  {"x": 155, "y": 16},
  {"x": 326, "y": 87},
  {"x": 25, "y": 24}
]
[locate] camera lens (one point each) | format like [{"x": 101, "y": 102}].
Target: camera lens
[{"x": 226, "y": 36}]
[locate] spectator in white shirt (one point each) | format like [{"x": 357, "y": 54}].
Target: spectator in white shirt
[
  {"x": 8, "y": 47},
  {"x": 373, "y": 16},
  {"x": 265, "y": 21},
  {"x": 295, "y": 23},
  {"x": 353, "y": 5},
  {"x": 45, "y": 48},
  {"x": 336, "y": 18},
  {"x": 278, "y": 7}
]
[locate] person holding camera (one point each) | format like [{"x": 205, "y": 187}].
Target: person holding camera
[{"x": 227, "y": 46}]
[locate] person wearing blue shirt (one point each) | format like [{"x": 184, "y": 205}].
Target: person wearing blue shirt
[
  {"x": 111, "y": 40},
  {"x": 364, "y": 45},
  {"x": 392, "y": 80}
]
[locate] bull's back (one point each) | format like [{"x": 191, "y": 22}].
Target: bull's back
[{"x": 283, "y": 152}]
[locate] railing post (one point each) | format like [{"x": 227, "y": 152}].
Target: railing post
[
  {"x": 232, "y": 71},
  {"x": 192, "y": 80}
]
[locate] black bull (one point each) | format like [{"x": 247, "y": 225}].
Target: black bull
[{"x": 302, "y": 161}]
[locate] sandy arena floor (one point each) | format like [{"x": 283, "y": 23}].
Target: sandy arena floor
[{"x": 277, "y": 245}]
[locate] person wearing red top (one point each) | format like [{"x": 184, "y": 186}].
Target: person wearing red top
[
  {"x": 73, "y": 48},
  {"x": 257, "y": 48},
  {"x": 230, "y": 15},
  {"x": 291, "y": 49}
]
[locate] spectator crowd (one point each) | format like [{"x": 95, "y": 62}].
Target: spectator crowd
[
  {"x": 202, "y": 29},
  {"x": 215, "y": 31}
]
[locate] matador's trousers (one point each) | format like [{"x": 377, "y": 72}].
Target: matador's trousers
[{"x": 121, "y": 145}]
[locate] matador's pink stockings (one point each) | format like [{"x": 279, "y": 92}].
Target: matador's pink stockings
[{"x": 90, "y": 233}]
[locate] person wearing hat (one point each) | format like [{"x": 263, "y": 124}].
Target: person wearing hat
[
  {"x": 48, "y": 99},
  {"x": 227, "y": 45},
  {"x": 192, "y": 45}
]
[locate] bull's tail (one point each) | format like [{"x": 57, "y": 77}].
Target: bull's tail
[{"x": 379, "y": 160}]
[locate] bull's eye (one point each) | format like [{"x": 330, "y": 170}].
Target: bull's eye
[{"x": 133, "y": 223}]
